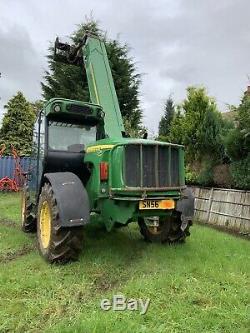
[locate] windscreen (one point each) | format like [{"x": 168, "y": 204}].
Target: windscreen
[{"x": 70, "y": 137}]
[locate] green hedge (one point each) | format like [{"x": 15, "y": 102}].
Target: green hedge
[
  {"x": 238, "y": 175},
  {"x": 240, "y": 172}
]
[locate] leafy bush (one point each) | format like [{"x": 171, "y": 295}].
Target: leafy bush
[
  {"x": 191, "y": 176},
  {"x": 205, "y": 177},
  {"x": 222, "y": 176},
  {"x": 200, "y": 173},
  {"x": 240, "y": 172},
  {"x": 235, "y": 144}
]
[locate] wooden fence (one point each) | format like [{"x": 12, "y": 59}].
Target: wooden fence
[{"x": 223, "y": 207}]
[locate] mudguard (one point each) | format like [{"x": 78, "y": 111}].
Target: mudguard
[
  {"x": 186, "y": 207},
  {"x": 71, "y": 197}
]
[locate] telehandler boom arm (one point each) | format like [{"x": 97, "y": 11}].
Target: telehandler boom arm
[{"x": 91, "y": 52}]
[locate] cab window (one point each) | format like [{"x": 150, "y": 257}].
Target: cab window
[{"x": 66, "y": 136}]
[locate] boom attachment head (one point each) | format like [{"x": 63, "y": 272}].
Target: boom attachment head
[{"x": 69, "y": 54}]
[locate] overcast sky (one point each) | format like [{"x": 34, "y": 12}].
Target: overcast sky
[{"x": 176, "y": 43}]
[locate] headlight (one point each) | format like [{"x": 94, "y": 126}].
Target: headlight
[{"x": 57, "y": 108}]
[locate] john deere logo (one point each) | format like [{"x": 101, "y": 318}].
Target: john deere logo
[{"x": 99, "y": 148}]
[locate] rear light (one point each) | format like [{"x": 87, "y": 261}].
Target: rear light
[{"x": 104, "y": 171}]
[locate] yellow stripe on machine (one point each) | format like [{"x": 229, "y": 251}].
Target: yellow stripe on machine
[
  {"x": 94, "y": 83},
  {"x": 99, "y": 147}
]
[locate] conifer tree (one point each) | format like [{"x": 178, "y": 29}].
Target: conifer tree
[
  {"x": 68, "y": 81},
  {"x": 17, "y": 126}
]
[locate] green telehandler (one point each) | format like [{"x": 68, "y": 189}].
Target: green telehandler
[{"x": 85, "y": 168}]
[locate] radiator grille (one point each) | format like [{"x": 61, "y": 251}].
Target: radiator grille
[
  {"x": 151, "y": 166},
  {"x": 132, "y": 166},
  {"x": 148, "y": 166},
  {"x": 174, "y": 170}
]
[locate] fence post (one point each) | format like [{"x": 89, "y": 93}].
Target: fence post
[
  {"x": 210, "y": 201},
  {"x": 241, "y": 226}
]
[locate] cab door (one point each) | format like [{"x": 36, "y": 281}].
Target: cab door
[{"x": 37, "y": 157}]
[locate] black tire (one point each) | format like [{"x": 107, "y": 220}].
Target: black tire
[
  {"x": 168, "y": 230},
  {"x": 28, "y": 221},
  {"x": 64, "y": 244}
]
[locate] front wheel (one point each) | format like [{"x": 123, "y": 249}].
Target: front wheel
[
  {"x": 56, "y": 243},
  {"x": 163, "y": 229}
]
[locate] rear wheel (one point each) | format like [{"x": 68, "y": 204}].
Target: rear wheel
[
  {"x": 28, "y": 222},
  {"x": 163, "y": 229},
  {"x": 56, "y": 243}
]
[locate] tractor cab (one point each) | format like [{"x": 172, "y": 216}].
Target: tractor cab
[{"x": 62, "y": 132}]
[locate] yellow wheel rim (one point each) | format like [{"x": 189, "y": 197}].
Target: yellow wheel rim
[{"x": 45, "y": 224}]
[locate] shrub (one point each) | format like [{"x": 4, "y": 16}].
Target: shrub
[
  {"x": 191, "y": 176},
  {"x": 205, "y": 177},
  {"x": 240, "y": 172},
  {"x": 222, "y": 176}
]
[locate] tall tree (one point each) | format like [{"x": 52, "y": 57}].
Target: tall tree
[
  {"x": 237, "y": 141},
  {"x": 237, "y": 144},
  {"x": 17, "y": 126},
  {"x": 69, "y": 81},
  {"x": 201, "y": 125},
  {"x": 176, "y": 130},
  {"x": 244, "y": 121},
  {"x": 164, "y": 124},
  {"x": 37, "y": 106}
]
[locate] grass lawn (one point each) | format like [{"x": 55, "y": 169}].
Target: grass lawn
[{"x": 200, "y": 286}]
